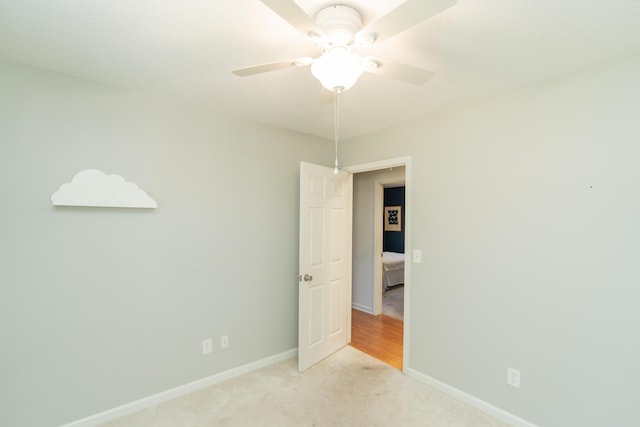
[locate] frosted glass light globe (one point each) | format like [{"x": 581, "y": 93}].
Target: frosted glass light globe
[{"x": 338, "y": 68}]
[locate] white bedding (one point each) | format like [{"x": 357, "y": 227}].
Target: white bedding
[{"x": 392, "y": 269}]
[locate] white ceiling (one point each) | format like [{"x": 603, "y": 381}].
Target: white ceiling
[{"x": 188, "y": 48}]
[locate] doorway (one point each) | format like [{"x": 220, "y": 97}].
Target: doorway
[{"x": 372, "y": 330}]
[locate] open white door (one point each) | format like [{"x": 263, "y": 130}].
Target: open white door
[{"x": 324, "y": 324}]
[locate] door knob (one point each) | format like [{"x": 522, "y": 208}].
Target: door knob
[{"x": 308, "y": 278}]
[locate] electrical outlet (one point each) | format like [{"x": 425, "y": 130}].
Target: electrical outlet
[
  {"x": 207, "y": 346},
  {"x": 513, "y": 377},
  {"x": 224, "y": 341}
]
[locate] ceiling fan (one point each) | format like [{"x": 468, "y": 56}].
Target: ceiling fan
[{"x": 338, "y": 32}]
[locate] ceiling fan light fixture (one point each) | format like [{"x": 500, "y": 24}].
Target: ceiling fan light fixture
[{"x": 338, "y": 68}]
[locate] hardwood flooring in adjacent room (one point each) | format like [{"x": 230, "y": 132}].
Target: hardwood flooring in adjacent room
[{"x": 378, "y": 336}]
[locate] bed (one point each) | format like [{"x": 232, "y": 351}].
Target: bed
[{"x": 392, "y": 269}]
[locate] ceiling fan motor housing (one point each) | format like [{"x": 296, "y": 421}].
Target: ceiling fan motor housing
[{"x": 341, "y": 23}]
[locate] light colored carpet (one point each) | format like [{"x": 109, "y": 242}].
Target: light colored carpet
[
  {"x": 347, "y": 389},
  {"x": 393, "y": 302}
]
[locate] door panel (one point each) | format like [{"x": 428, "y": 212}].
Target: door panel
[
  {"x": 336, "y": 230},
  {"x": 316, "y": 310},
  {"x": 315, "y": 235},
  {"x": 336, "y": 296}
]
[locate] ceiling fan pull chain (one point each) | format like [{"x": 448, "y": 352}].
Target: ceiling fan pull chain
[{"x": 335, "y": 123}]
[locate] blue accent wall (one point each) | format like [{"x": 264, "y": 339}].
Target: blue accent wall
[{"x": 393, "y": 241}]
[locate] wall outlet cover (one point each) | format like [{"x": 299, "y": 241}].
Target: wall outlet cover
[
  {"x": 224, "y": 341},
  {"x": 513, "y": 377},
  {"x": 207, "y": 346}
]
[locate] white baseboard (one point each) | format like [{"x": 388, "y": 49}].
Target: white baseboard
[
  {"x": 362, "y": 308},
  {"x": 470, "y": 400},
  {"x": 179, "y": 391}
]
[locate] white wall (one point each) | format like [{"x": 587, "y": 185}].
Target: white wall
[
  {"x": 527, "y": 209},
  {"x": 100, "y": 307},
  {"x": 364, "y": 190}
]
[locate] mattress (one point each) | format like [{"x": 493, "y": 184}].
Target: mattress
[{"x": 392, "y": 269}]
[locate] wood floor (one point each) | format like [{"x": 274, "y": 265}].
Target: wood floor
[{"x": 378, "y": 336}]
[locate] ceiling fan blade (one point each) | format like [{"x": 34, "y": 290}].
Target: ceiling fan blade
[
  {"x": 296, "y": 17},
  {"x": 272, "y": 66},
  {"x": 405, "y": 16},
  {"x": 407, "y": 73}
]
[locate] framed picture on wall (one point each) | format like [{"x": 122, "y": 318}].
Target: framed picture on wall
[{"x": 393, "y": 218}]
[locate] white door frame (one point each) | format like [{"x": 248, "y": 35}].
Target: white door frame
[
  {"x": 380, "y": 185},
  {"x": 385, "y": 164}
]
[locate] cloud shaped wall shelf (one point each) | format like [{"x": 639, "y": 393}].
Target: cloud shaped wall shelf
[{"x": 92, "y": 187}]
